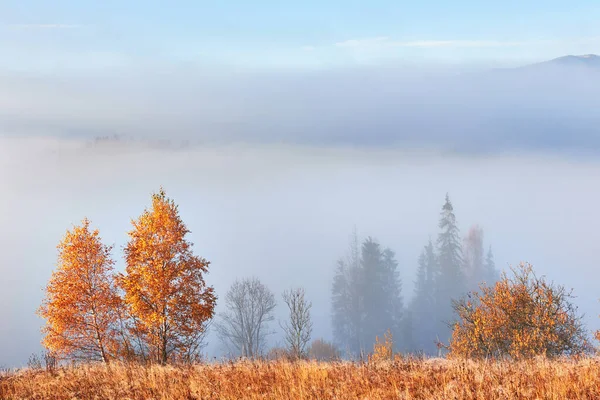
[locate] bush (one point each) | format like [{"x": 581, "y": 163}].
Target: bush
[
  {"x": 278, "y": 353},
  {"x": 322, "y": 350},
  {"x": 519, "y": 317},
  {"x": 383, "y": 349}
]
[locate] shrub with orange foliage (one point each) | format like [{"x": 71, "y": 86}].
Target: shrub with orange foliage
[
  {"x": 520, "y": 317},
  {"x": 383, "y": 349},
  {"x": 81, "y": 306},
  {"x": 164, "y": 285}
]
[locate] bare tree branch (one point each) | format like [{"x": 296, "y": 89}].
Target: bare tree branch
[
  {"x": 298, "y": 328},
  {"x": 243, "y": 327}
]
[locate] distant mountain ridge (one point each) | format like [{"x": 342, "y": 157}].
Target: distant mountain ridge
[{"x": 586, "y": 60}]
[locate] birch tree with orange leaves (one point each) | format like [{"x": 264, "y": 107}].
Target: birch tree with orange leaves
[
  {"x": 519, "y": 317},
  {"x": 81, "y": 304},
  {"x": 164, "y": 285}
]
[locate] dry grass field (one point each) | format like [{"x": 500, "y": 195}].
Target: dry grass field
[{"x": 406, "y": 379}]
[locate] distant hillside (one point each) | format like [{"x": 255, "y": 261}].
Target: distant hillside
[{"x": 585, "y": 61}]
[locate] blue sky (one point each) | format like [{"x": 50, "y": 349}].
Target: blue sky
[{"x": 100, "y": 34}]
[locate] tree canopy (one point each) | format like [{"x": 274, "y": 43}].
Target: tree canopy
[
  {"x": 81, "y": 305},
  {"x": 164, "y": 283}
]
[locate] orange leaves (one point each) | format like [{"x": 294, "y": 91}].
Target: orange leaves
[
  {"x": 383, "y": 349},
  {"x": 164, "y": 285},
  {"x": 81, "y": 304},
  {"x": 522, "y": 316},
  {"x": 165, "y": 305}
]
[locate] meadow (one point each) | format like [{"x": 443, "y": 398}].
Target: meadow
[{"x": 401, "y": 379}]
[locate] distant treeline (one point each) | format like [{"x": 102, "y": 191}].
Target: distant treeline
[
  {"x": 160, "y": 309},
  {"x": 367, "y": 292}
]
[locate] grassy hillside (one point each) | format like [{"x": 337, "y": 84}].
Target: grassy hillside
[{"x": 431, "y": 379}]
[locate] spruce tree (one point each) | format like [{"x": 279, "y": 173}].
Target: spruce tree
[
  {"x": 366, "y": 297},
  {"x": 382, "y": 293},
  {"x": 347, "y": 314},
  {"x": 373, "y": 295},
  {"x": 450, "y": 282},
  {"x": 394, "y": 304},
  {"x": 422, "y": 308}
]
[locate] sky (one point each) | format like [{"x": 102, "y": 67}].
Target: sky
[
  {"x": 278, "y": 127},
  {"x": 72, "y": 35}
]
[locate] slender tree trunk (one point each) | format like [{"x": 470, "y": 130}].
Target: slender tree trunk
[
  {"x": 99, "y": 338},
  {"x": 164, "y": 338},
  {"x": 164, "y": 351}
]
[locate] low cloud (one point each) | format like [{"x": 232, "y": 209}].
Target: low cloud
[
  {"x": 486, "y": 112},
  {"x": 387, "y": 42},
  {"x": 44, "y": 26},
  {"x": 364, "y": 42}
]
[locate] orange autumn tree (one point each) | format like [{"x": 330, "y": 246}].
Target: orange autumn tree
[
  {"x": 519, "y": 317},
  {"x": 164, "y": 285},
  {"x": 81, "y": 301}
]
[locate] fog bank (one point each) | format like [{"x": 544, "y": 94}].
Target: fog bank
[
  {"x": 284, "y": 213},
  {"x": 546, "y": 108}
]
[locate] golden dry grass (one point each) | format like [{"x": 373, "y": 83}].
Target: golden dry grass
[{"x": 410, "y": 379}]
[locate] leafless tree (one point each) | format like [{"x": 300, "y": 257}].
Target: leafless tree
[
  {"x": 298, "y": 328},
  {"x": 244, "y": 325}
]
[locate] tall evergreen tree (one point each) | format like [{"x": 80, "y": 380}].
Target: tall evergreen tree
[
  {"x": 372, "y": 295},
  {"x": 450, "y": 282},
  {"x": 347, "y": 315},
  {"x": 366, "y": 297},
  {"x": 423, "y": 312},
  {"x": 394, "y": 301},
  {"x": 426, "y": 274},
  {"x": 382, "y": 299}
]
